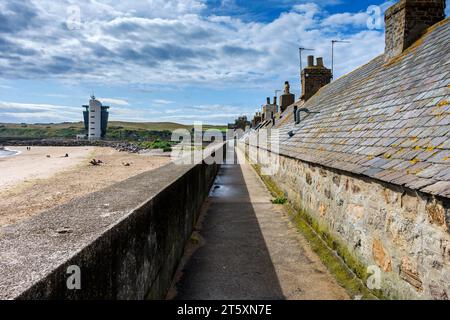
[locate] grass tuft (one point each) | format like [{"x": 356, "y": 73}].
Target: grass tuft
[{"x": 279, "y": 200}]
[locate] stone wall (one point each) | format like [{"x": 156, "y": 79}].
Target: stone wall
[
  {"x": 404, "y": 233},
  {"x": 127, "y": 239},
  {"x": 407, "y": 21}
]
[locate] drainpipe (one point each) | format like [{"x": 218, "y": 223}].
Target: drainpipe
[{"x": 297, "y": 114}]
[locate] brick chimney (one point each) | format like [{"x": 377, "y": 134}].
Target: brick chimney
[
  {"x": 256, "y": 119},
  {"x": 287, "y": 98},
  {"x": 314, "y": 77},
  {"x": 408, "y": 20},
  {"x": 269, "y": 109}
]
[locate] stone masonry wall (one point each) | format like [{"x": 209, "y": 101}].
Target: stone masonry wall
[
  {"x": 127, "y": 239},
  {"x": 407, "y": 20},
  {"x": 404, "y": 233}
]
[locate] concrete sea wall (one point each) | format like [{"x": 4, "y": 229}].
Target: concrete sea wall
[
  {"x": 125, "y": 240},
  {"x": 402, "y": 233}
]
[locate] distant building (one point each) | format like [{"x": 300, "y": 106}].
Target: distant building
[
  {"x": 367, "y": 156},
  {"x": 256, "y": 119},
  {"x": 270, "y": 109},
  {"x": 95, "y": 119},
  {"x": 240, "y": 123}
]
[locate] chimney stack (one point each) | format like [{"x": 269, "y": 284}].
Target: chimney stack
[
  {"x": 256, "y": 119},
  {"x": 269, "y": 109},
  {"x": 314, "y": 78},
  {"x": 287, "y": 98},
  {"x": 408, "y": 20}
]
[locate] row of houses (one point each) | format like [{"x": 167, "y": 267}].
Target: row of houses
[{"x": 367, "y": 157}]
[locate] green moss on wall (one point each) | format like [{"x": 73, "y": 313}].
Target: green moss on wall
[{"x": 349, "y": 272}]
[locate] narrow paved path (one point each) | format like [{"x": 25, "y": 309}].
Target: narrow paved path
[{"x": 248, "y": 248}]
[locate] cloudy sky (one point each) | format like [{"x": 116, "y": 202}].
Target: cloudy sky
[{"x": 170, "y": 60}]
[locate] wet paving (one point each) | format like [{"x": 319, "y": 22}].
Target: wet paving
[{"x": 249, "y": 250}]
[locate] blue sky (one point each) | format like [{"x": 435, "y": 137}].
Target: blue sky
[{"x": 170, "y": 60}]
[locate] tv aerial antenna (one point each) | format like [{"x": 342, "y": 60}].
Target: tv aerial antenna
[
  {"x": 300, "y": 51},
  {"x": 333, "y": 42}
]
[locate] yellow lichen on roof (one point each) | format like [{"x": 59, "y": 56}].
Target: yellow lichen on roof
[
  {"x": 414, "y": 171},
  {"x": 438, "y": 113},
  {"x": 443, "y": 103}
]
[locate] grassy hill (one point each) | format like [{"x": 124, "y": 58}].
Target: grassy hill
[{"x": 117, "y": 130}]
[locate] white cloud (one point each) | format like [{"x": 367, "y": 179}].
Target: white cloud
[
  {"x": 46, "y": 113},
  {"x": 30, "y": 107},
  {"x": 162, "y": 101},
  {"x": 341, "y": 19},
  {"x": 310, "y": 9},
  {"x": 172, "y": 42},
  {"x": 120, "y": 102},
  {"x": 31, "y": 112}
]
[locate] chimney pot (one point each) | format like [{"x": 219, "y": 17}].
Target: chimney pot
[
  {"x": 268, "y": 100},
  {"x": 310, "y": 61},
  {"x": 320, "y": 62},
  {"x": 275, "y": 100}
]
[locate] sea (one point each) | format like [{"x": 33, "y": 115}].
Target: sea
[{"x": 7, "y": 153}]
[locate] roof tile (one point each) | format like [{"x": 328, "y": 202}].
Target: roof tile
[{"x": 389, "y": 122}]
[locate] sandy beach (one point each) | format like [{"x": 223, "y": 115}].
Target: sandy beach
[
  {"x": 34, "y": 164},
  {"x": 36, "y": 180}
]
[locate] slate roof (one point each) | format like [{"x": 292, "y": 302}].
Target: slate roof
[{"x": 386, "y": 120}]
